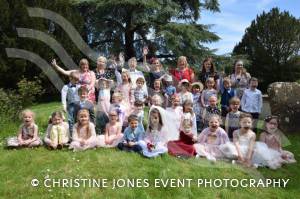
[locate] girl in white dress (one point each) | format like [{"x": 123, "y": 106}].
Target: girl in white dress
[
  {"x": 154, "y": 141},
  {"x": 251, "y": 153}
]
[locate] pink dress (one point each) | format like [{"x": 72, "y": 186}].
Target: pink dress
[
  {"x": 274, "y": 142},
  {"x": 126, "y": 90},
  {"x": 91, "y": 141},
  {"x": 209, "y": 145},
  {"x": 85, "y": 79},
  {"x": 112, "y": 131}
]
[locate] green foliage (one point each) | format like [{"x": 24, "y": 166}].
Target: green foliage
[
  {"x": 13, "y": 101},
  {"x": 272, "y": 43},
  {"x": 13, "y": 14},
  {"x": 30, "y": 90},
  {"x": 168, "y": 28},
  {"x": 10, "y": 105}
]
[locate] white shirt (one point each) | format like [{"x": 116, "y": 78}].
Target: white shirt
[{"x": 252, "y": 101}]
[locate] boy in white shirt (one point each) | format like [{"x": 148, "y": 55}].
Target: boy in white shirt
[{"x": 252, "y": 101}]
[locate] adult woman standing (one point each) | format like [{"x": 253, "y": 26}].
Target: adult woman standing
[
  {"x": 208, "y": 70},
  {"x": 156, "y": 68},
  {"x": 239, "y": 78},
  {"x": 183, "y": 71},
  {"x": 87, "y": 77}
]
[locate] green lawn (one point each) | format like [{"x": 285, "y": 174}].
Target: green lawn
[{"x": 19, "y": 167}]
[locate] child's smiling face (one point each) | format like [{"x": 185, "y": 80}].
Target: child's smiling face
[
  {"x": 84, "y": 95},
  {"x": 133, "y": 124},
  {"x": 154, "y": 118},
  {"x": 56, "y": 120},
  {"x": 272, "y": 125},
  {"x": 83, "y": 117},
  {"x": 214, "y": 124},
  {"x": 27, "y": 118},
  {"x": 234, "y": 106},
  {"x": 246, "y": 123}
]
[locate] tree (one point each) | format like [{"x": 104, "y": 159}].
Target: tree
[
  {"x": 13, "y": 15},
  {"x": 271, "y": 42},
  {"x": 168, "y": 28}
]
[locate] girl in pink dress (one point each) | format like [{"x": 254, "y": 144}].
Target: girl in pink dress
[
  {"x": 213, "y": 140},
  {"x": 273, "y": 137},
  {"x": 87, "y": 77},
  {"x": 84, "y": 134},
  {"x": 113, "y": 129},
  {"x": 28, "y": 132},
  {"x": 104, "y": 86},
  {"x": 126, "y": 89}
]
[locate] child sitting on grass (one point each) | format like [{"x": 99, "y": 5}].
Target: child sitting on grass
[
  {"x": 132, "y": 135},
  {"x": 27, "y": 134},
  {"x": 84, "y": 134},
  {"x": 57, "y": 134}
]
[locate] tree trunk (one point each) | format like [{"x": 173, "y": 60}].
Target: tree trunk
[{"x": 129, "y": 48}]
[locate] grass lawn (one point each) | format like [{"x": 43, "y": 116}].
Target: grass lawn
[{"x": 19, "y": 167}]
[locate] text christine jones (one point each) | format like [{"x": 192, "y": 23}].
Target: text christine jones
[{"x": 117, "y": 183}]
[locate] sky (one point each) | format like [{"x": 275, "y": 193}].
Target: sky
[{"x": 236, "y": 15}]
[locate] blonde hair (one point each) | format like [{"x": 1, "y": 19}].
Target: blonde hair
[
  {"x": 89, "y": 133},
  {"x": 183, "y": 58},
  {"x": 83, "y": 61},
  {"x": 128, "y": 75},
  {"x": 235, "y": 100},
  {"x": 27, "y": 111},
  {"x": 103, "y": 58},
  {"x": 215, "y": 116},
  {"x": 118, "y": 94}
]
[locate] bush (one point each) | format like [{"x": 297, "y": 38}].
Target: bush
[
  {"x": 12, "y": 102},
  {"x": 29, "y": 90}
]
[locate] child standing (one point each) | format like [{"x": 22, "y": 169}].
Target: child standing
[
  {"x": 273, "y": 138},
  {"x": 211, "y": 109},
  {"x": 169, "y": 89},
  {"x": 153, "y": 143},
  {"x": 208, "y": 92},
  {"x": 138, "y": 110},
  {"x": 227, "y": 94},
  {"x": 113, "y": 130},
  {"x": 126, "y": 89},
  {"x": 117, "y": 104},
  {"x": 84, "y": 134},
  {"x": 252, "y": 101},
  {"x": 132, "y": 135},
  {"x": 28, "y": 132},
  {"x": 139, "y": 93},
  {"x": 174, "y": 116},
  {"x": 84, "y": 103},
  {"x": 103, "y": 87},
  {"x": 157, "y": 90},
  {"x": 197, "y": 88},
  {"x": 184, "y": 93},
  {"x": 232, "y": 118},
  {"x": 57, "y": 134},
  {"x": 69, "y": 96}
]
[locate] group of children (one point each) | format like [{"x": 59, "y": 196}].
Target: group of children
[{"x": 180, "y": 122}]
